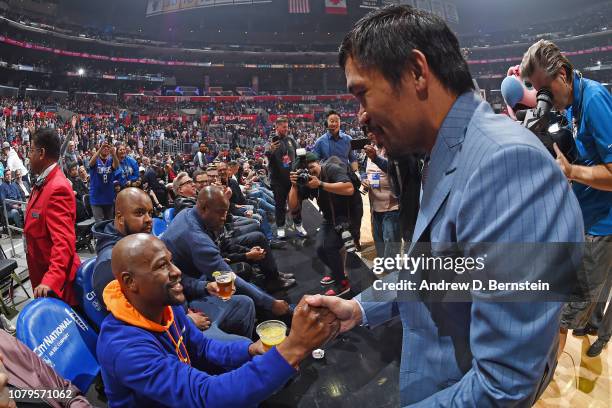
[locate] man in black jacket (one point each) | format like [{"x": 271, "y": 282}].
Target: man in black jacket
[
  {"x": 281, "y": 157},
  {"x": 185, "y": 191}
]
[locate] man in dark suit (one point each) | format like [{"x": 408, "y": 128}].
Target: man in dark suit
[
  {"x": 49, "y": 222},
  {"x": 23, "y": 185}
]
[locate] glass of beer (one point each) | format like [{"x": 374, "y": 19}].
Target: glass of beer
[
  {"x": 271, "y": 333},
  {"x": 225, "y": 282}
]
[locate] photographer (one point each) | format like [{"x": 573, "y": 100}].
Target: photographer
[
  {"x": 281, "y": 157},
  {"x": 588, "y": 107},
  {"x": 329, "y": 182}
]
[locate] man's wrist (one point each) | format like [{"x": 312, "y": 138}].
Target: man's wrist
[
  {"x": 292, "y": 352},
  {"x": 321, "y": 185}
]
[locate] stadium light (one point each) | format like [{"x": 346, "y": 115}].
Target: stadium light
[{"x": 81, "y": 71}]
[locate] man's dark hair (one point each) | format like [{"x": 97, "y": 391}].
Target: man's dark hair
[
  {"x": 303, "y": 161},
  {"x": 384, "y": 40},
  {"x": 71, "y": 166},
  {"x": 48, "y": 139},
  {"x": 281, "y": 119},
  {"x": 331, "y": 112},
  {"x": 197, "y": 173}
]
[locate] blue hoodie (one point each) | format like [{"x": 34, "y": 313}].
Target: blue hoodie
[
  {"x": 106, "y": 236},
  {"x": 143, "y": 367}
]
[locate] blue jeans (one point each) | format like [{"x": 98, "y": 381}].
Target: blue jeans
[
  {"x": 266, "y": 206},
  {"x": 233, "y": 319},
  {"x": 259, "y": 193},
  {"x": 259, "y": 215},
  {"x": 259, "y": 297},
  {"x": 386, "y": 233}
]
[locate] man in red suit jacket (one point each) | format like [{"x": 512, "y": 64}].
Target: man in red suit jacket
[{"x": 49, "y": 222}]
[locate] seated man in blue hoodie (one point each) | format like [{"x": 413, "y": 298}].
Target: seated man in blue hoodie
[
  {"x": 223, "y": 320},
  {"x": 192, "y": 238},
  {"x": 152, "y": 355}
]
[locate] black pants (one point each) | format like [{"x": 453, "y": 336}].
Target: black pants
[
  {"x": 267, "y": 264},
  {"x": 281, "y": 193},
  {"x": 328, "y": 246}
]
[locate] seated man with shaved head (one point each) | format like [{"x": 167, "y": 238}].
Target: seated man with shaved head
[
  {"x": 151, "y": 355},
  {"x": 223, "y": 320},
  {"x": 192, "y": 238}
]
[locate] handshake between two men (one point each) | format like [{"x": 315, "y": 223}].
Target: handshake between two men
[{"x": 317, "y": 320}]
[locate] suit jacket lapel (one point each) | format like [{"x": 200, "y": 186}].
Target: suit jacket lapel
[{"x": 443, "y": 161}]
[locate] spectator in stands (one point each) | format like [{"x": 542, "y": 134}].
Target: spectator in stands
[
  {"x": 49, "y": 222},
  {"x": 84, "y": 176},
  {"x": 151, "y": 354},
  {"x": 70, "y": 156},
  {"x": 192, "y": 238},
  {"x": 102, "y": 166},
  {"x": 80, "y": 190},
  {"x": 384, "y": 206},
  {"x": 22, "y": 369},
  {"x": 200, "y": 179},
  {"x": 23, "y": 185},
  {"x": 185, "y": 191},
  {"x": 127, "y": 174},
  {"x": 589, "y": 108},
  {"x": 154, "y": 184},
  {"x": 133, "y": 216},
  {"x": 331, "y": 185},
  {"x": 199, "y": 160},
  {"x": 9, "y": 190},
  {"x": 281, "y": 157},
  {"x": 13, "y": 162}
]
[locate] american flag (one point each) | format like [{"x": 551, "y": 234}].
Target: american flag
[{"x": 299, "y": 6}]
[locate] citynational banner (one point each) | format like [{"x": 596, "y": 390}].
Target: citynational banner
[{"x": 157, "y": 7}]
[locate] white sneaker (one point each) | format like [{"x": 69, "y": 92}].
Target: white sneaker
[
  {"x": 300, "y": 230},
  {"x": 280, "y": 233}
]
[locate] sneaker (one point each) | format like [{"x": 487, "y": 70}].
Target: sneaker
[
  {"x": 327, "y": 280},
  {"x": 300, "y": 230},
  {"x": 596, "y": 348},
  {"x": 280, "y": 233},
  {"x": 7, "y": 325},
  {"x": 339, "y": 291}
]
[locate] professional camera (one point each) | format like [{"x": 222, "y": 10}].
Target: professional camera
[
  {"x": 303, "y": 176},
  {"x": 346, "y": 236},
  {"x": 549, "y": 126}
]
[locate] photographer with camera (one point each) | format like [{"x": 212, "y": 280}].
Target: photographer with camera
[
  {"x": 330, "y": 184},
  {"x": 281, "y": 158},
  {"x": 588, "y": 107}
]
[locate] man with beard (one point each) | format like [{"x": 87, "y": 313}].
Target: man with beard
[
  {"x": 152, "y": 355},
  {"x": 281, "y": 158},
  {"x": 221, "y": 320}
]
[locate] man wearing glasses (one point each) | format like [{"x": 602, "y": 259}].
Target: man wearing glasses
[{"x": 185, "y": 190}]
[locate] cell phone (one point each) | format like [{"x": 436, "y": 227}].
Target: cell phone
[
  {"x": 275, "y": 138},
  {"x": 358, "y": 144}
]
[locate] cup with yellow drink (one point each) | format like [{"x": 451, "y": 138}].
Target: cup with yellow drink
[{"x": 271, "y": 333}]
